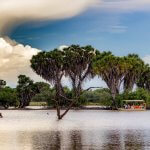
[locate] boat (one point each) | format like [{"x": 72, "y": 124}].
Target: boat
[{"x": 133, "y": 105}]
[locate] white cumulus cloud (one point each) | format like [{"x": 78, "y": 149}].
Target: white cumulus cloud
[
  {"x": 146, "y": 59},
  {"x": 15, "y": 60}
]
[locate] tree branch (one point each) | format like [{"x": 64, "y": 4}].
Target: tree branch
[
  {"x": 66, "y": 98},
  {"x": 91, "y": 88}
]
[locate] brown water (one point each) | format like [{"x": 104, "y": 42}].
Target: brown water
[{"x": 79, "y": 130}]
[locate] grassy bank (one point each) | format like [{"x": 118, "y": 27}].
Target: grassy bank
[{"x": 38, "y": 104}]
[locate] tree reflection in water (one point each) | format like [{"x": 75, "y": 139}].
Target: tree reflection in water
[
  {"x": 46, "y": 141},
  {"x": 134, "y": 140},
  {"x": 124, "y": 140},
  {"x": 112, "y": 140},
  {"x": 76, "y": 140},
  {"x": 81, "y": 140},
  {"x": 57, "y": 140}
]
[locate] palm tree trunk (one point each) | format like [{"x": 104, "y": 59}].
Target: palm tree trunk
[
  {"x": 114, "y": 91},
  {"x": 58, "y": 112}
]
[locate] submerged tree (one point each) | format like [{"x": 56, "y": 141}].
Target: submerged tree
[
  {"x": 49, "y": 65},
  {"x": 74, "y": 62},
  {"x": 78, "y": 67},
  {"x": 112, "y": 70}
]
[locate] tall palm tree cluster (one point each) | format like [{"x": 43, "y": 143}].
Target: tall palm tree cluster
[{"x": 81, "y": 63}]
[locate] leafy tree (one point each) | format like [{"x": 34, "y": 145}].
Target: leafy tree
[
  {"x": 134, "y": 72},
  {"x": 78, "y": 67},
  {"x": 8, "y": 97},
  {"x": 144, "y": 79},
  {"x": 49, "y": 65},
  {"x": 112, "y": 70},
  {"x": 2, "y": 84},
  {"x": 74, "y": 62},
  {"x": 25, "y": 90},
  {"x": 98, "y": 97},
  {"x": 45, "y": 94}
]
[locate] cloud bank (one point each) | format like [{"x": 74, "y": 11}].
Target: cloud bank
[
  {"x": 15, "y": 60},
  {"x": 125, "y": 5},
  {"x": 14, "y": 12}
]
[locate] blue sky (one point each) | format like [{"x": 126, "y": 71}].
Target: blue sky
[
  {"x": 120, "y": 26},
  {"x": 119, "y": 32}
]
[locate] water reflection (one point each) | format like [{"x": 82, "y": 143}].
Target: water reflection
[
  {"x": 112, "y": 141},
  {"x": 56, "y": 140},
  {"x": 134, "y": 140},
  {"x": 76, "y": 140},
  {"x": 37, "y": 131},
  {"x": 46, "y": 141}
]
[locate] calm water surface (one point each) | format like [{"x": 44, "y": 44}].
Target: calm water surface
[{"x": 79, "y": 130}]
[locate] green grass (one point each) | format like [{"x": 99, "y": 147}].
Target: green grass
[
  {"x": 38, "y": 104},
  {"x": 90, "y": 103}
]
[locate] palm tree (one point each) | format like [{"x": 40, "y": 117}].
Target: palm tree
[
  {"x": 134, "y": 72},
  {"x": 144, "y": 79},
  {"x": 74, "y": 62},
  {"x": 25, "y": 90},
  {"x": 49, "y": 65},
  {"x": 112, "y": 70},
  {"x": 78, "y": 67}
]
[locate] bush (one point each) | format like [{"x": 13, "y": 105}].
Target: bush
[
  {"x": 8, "y": 97},
  {"x": 99, "y": 97}
]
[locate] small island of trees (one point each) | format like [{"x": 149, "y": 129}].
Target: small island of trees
[{"x": 127, "y": 77}]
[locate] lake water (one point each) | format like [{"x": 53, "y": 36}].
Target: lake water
[{"x": 79, "y": 130}]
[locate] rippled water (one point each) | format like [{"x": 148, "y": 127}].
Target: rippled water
[{"x": 79, "y": 130}]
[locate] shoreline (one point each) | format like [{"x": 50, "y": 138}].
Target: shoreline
[{"x": 50, "y": 108}]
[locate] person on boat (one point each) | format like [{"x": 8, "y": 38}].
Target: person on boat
[
  {"x": 1, "y": 116},
  {"x": 125, "y": 106},
  {"x": 128, "y": 107}
]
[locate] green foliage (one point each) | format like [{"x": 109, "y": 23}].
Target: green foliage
[
  {"x": 139, "y": 94},
  {"x": 49, "y": 65},
  {"x": 38, "y": 104},
  {"x": 25, "y": 90},
  {"x": 99, "y": 96},
  {"x": 112, "y": 70},
  {"x": 8, "y": 97},
  {"x": 2, "y": 84},
  {"x": 144, "y": 79},
  {"x": 134, "y": 72},
  {"x": 46, "y": 95}
]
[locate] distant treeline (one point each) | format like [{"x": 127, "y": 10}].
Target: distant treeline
[{"x": 80, "y": 64}]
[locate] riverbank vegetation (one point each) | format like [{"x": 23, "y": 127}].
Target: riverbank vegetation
[{"x": 127, "y": 77}]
